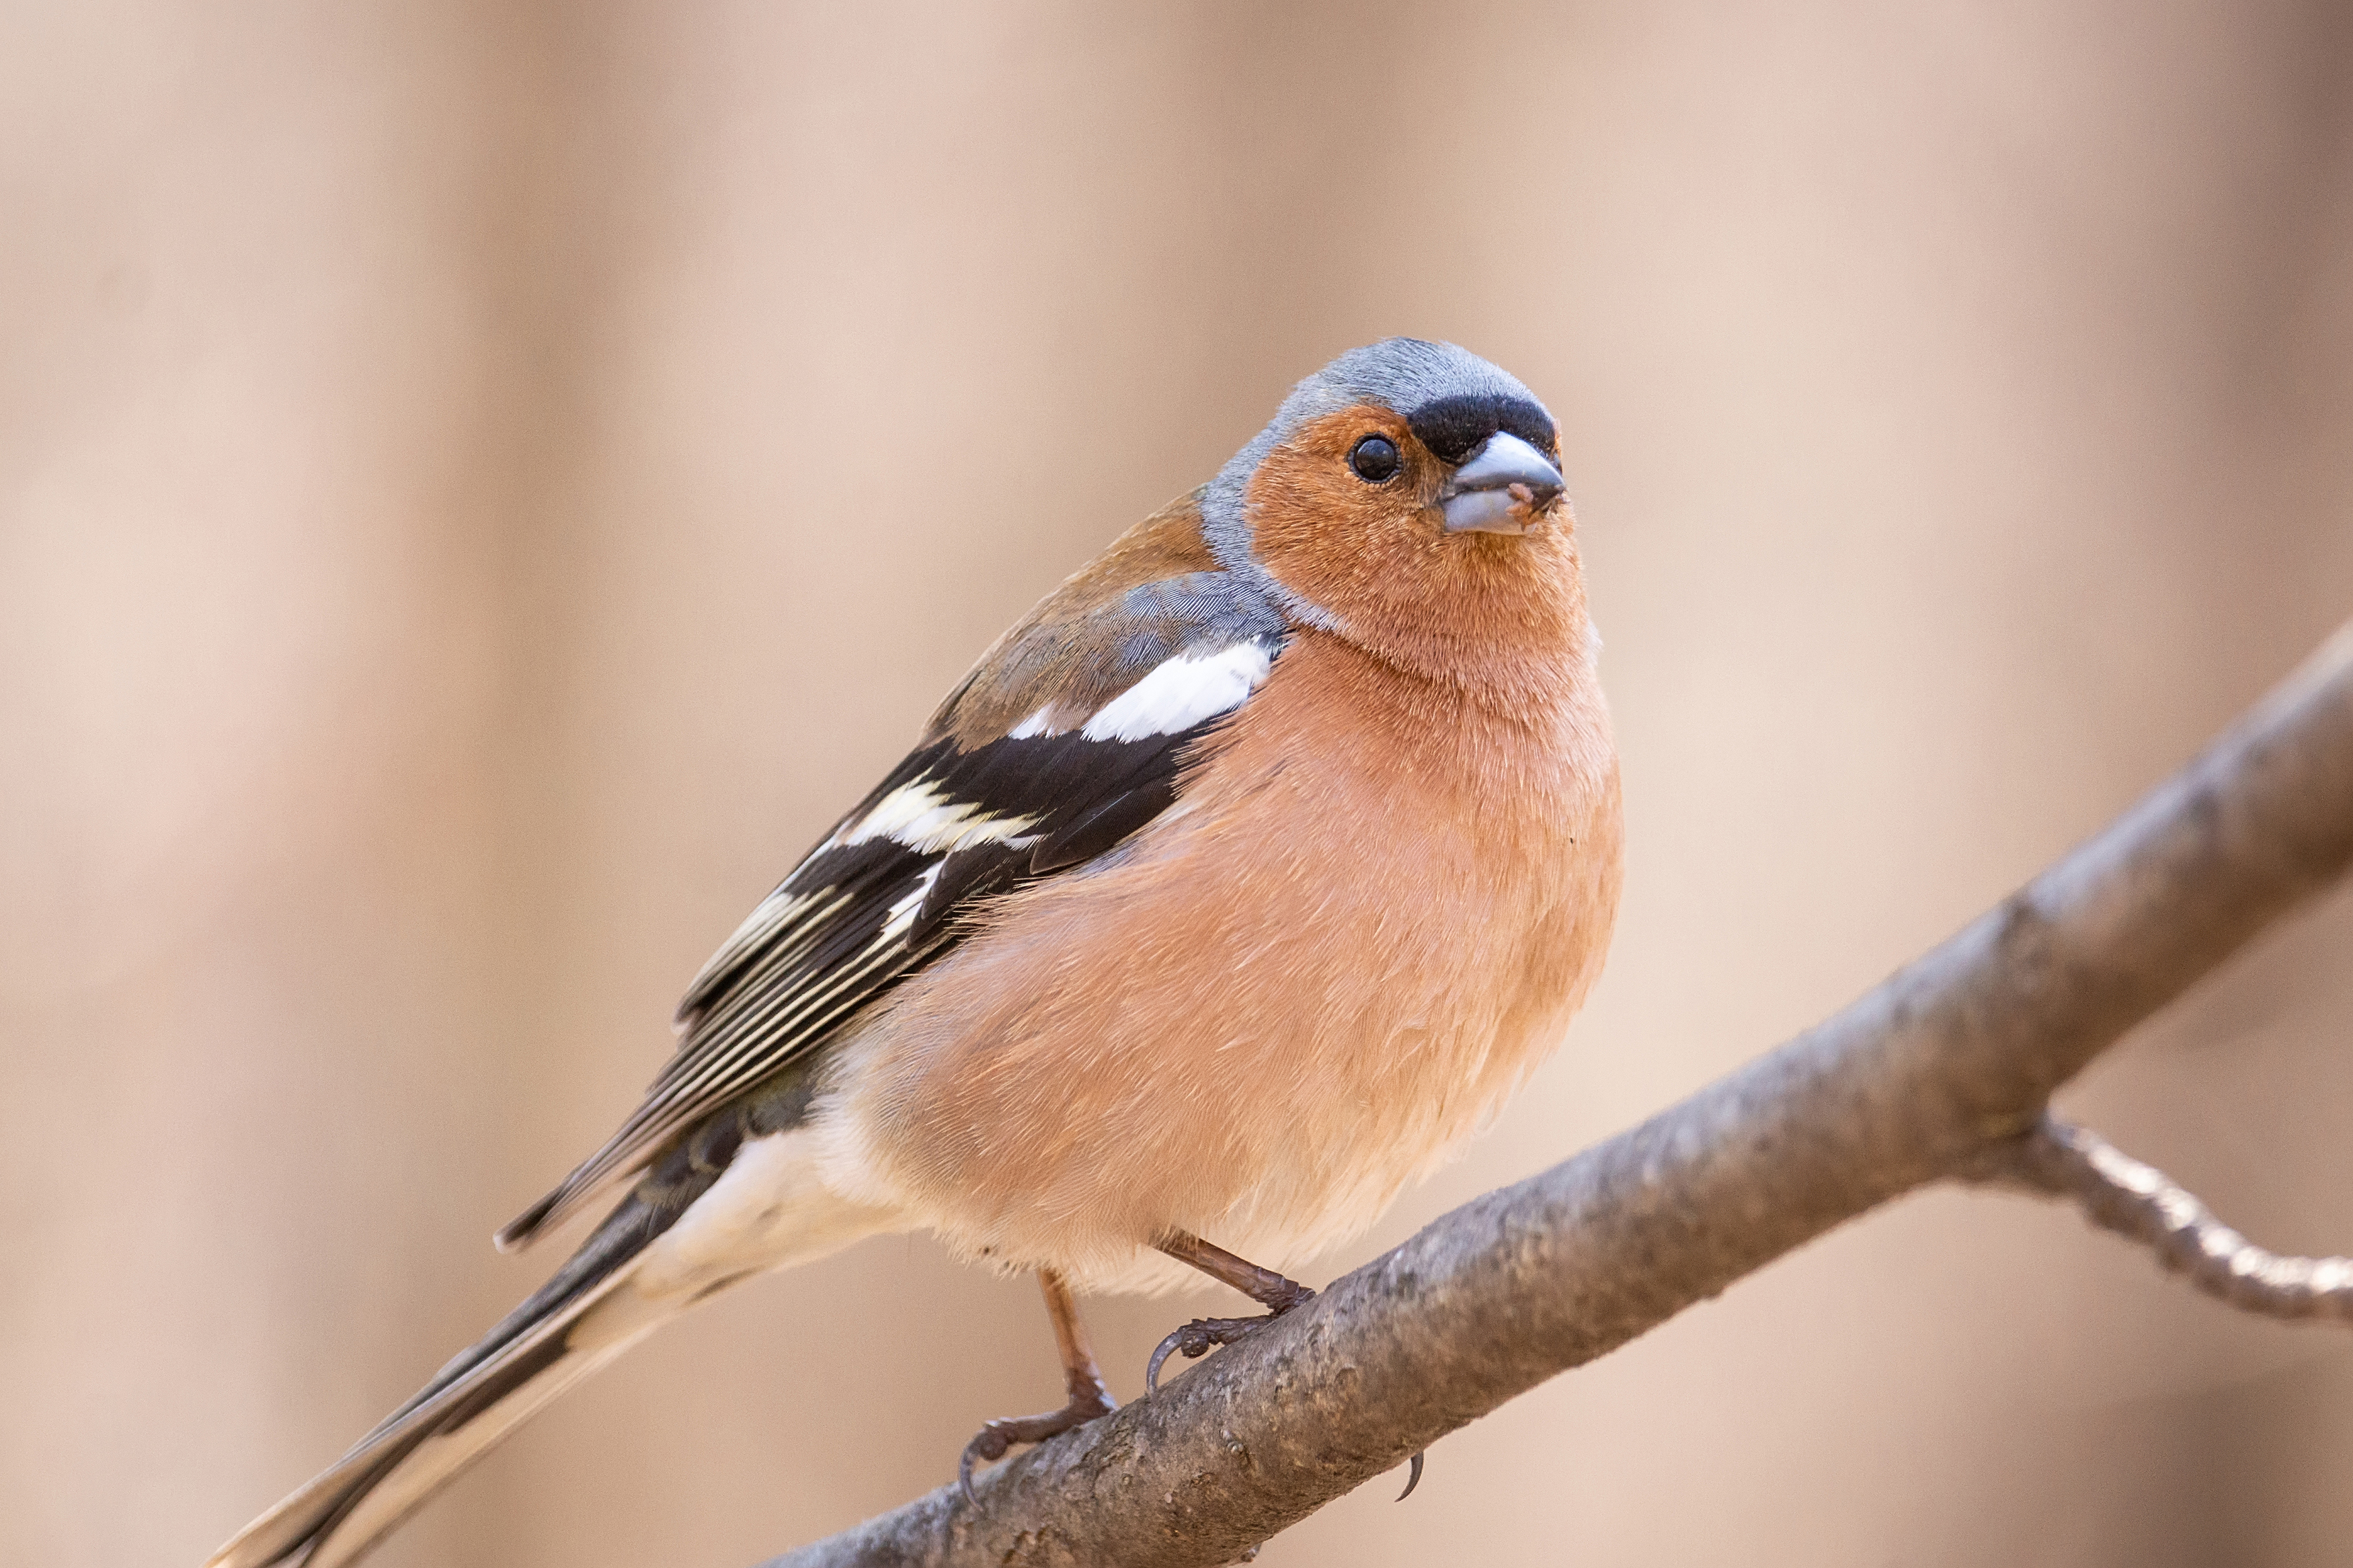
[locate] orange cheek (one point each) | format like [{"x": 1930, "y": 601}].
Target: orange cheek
[{"x": 1327, "y": 534}]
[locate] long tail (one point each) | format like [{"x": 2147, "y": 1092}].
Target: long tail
[{"x": 613, "y": 1291}]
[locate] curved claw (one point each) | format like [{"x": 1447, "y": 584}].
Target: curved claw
[
  {"x": 1160, "y": 1352},
  {"x": 1196, "y": 1340},
  {"x": 1152, "y": 1367},
  {"x": 1411, "y": 1481}
]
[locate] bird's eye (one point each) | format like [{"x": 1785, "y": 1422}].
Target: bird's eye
[{"x": 1375, "y": 460}]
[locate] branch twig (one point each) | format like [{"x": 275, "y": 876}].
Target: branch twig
[
  {"x": 1913, "y": 1083},
  {"x": 2143, "y": 1203}
]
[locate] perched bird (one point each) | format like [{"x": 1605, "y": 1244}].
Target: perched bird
[{"x": 1238, "y": 882}]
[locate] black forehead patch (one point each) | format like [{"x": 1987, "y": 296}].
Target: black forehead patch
[{"x": 1453, "y": 426}]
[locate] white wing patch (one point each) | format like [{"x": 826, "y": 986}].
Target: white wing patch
[
  {"x": 1041, "y": 722},
  {"x": 1181, "y": 692},
  {"x": 903, "y": 913},
  {"x": 1175, "y": 694},
  {"x": 926, "y": 820}
]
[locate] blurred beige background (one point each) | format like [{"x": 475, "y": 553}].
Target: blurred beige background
[{"x": 480, "y": 486}]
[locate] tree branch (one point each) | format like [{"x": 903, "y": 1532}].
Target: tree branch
[
  {"x": 2143, "y": 1203},
  {"x": 1923, "y": 1078}
]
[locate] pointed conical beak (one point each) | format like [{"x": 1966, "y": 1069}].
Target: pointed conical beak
[{"x": 1502, "y": 488}]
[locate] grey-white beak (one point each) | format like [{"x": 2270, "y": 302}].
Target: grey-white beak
[{"x": 1502, "y": 488}]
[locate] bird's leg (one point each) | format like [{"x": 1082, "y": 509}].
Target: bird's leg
[
  {"x": 1264, "y": 1286},
  {"x": 1090, "y": 1397}
]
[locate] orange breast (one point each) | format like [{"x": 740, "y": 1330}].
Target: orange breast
[{"x": 1376, "y": 907}]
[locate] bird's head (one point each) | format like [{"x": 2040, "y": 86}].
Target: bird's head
[{"x": 1406, "y": 490}]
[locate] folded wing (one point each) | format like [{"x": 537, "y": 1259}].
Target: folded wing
[{"x": 1110, "y": 703}]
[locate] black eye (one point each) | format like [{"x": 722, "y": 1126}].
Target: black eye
[{"x": 1375, "y": 458}]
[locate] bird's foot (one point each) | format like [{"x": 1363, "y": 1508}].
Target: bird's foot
[
  {"x": 997, "y": 1439},
  {"x": 1200, "y": 1336}
]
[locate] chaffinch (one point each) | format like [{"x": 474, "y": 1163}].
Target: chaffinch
[{"x": 1240, "y": 879}]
